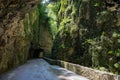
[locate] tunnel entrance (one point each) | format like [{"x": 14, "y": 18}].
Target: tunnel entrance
[{"x": 35, "y": 53}]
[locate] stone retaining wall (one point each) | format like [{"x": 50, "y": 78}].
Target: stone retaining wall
[{"x": 90, "y": 73}]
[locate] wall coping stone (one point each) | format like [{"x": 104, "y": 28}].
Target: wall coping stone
[{"x": 87, "y": 72}]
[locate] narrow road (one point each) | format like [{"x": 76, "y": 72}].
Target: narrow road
[{"x": 39, "y": 69}]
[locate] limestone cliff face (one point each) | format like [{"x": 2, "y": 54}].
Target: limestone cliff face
[
  {"x": 19, "y": 30},
  {"x": 45, "y": 40},
  {"x": 12, "y": 6},
  {"x": 15, "y": 39},
  {"x": 88, "y": 34}
]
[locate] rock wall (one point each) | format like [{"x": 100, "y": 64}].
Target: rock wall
[
  {"x": 45, "y": 40},
  {"x": 15, "y": 38},
  {"x": 19, "y": 32},
  {"x": 88, "y": 34},
  {"x": 22, "y": 34}
]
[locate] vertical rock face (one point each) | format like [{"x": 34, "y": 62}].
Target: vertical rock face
[
  {"x": 21, "y": 33},
  {"x": 88, "y": 34},
  {"x": 12, "y": 6},
  {"x": 45, "y": 40},
  {"x": 17, "y": 28}
]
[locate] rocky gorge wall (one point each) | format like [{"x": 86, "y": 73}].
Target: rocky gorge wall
[
  {"x": 45, "y": 40},
  {"x": 89, "y": 34},
  {"x": 19, "y": 32}
]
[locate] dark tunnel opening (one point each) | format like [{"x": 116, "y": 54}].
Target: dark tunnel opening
[{"x": 35, "y": 53}]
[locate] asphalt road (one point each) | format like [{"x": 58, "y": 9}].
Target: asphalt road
[{"x": 39, "y": 69}]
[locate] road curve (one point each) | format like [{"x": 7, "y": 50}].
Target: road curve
[{"x": 39, "y": 69}]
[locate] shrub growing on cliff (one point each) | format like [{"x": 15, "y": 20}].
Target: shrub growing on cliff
[
  {"x": 43, "y": 15},
  {"x": 48, "y": 15},
  {"x": 107, "y": 48},
  {"x": 52, "y": 10}
]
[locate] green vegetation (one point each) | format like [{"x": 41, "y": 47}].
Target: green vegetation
[
  {"x": 48, "y": 16},
  {"x": 31, "y": 26},
  {"x": 88, "y": 34},
  {"x": 52, "y": 10},
  {"x": 107, "y": 48},
  {"x": 43, "y": 14},
  {"x": 85, "y": 32}
]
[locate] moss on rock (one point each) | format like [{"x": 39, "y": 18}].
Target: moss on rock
[
  {"x": 86, "y": 28},
  {"x": 17, "y": 39}
]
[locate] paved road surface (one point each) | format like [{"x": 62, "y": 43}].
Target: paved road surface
[{"x": 39, "y": 69}]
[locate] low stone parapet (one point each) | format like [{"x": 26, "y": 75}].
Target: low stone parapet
[{"x": 90, "y": 73}]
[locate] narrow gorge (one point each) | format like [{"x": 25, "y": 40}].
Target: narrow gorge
[{"x": 84, "y": 32}]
